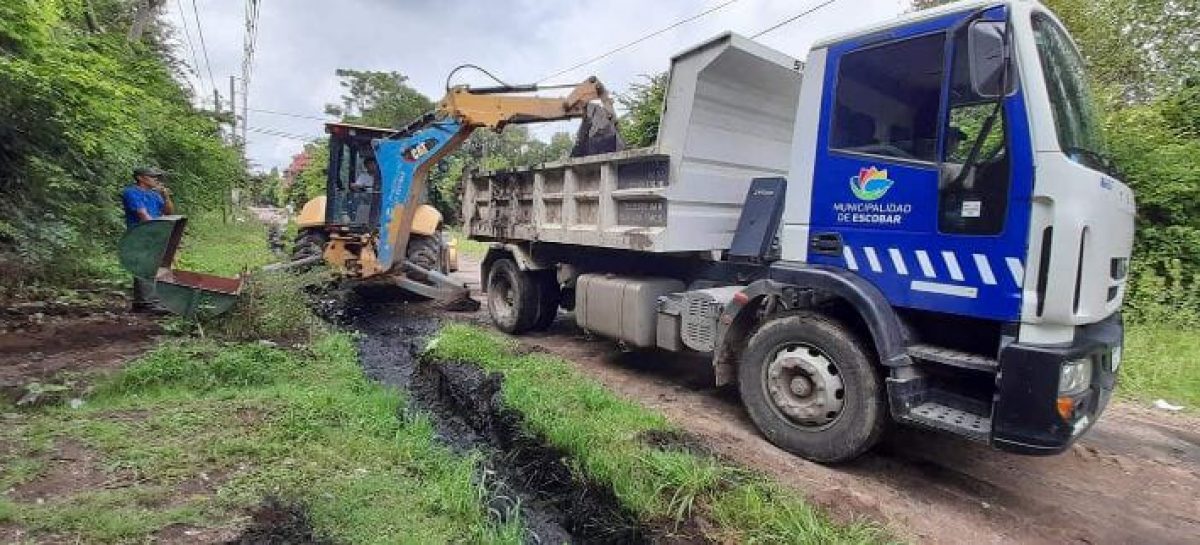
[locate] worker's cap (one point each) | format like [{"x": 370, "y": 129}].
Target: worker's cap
[{"x": 153, "y": 172}]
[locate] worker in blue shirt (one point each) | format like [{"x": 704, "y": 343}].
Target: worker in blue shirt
[{"x": 147, "y": 198}]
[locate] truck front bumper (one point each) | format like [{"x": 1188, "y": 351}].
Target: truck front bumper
[{"x": 1026, "y": 418}]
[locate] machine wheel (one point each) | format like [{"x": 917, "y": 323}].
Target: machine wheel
[
  {"x": 512, "y": 297},
  {"x": 426, "y": 252},
  {"x": 548, "y": 298},
  {"x": 308, "y": 243},
  {"x": 812, "y": 388}
]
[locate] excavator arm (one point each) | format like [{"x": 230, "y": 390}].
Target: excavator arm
[{"x": 405, "y": 159}]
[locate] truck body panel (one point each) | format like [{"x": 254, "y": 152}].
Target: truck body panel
[{"x": 727, "y": 118}]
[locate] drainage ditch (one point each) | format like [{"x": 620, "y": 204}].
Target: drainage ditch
[{"x": 522, "y": 474}]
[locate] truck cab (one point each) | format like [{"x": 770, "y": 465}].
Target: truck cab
[
  {"x": 925, "y": 231},
  {"x": 954, "y": 162}
]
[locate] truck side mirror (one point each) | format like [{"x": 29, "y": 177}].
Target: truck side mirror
[{"x": 985, "y": 47}]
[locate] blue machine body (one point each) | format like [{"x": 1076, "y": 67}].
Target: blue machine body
[
  {"x": 401, "y": 160},
  {"x": 888, "y": 226}
]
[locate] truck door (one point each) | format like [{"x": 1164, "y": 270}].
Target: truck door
[{"x": 917, "y": 186}]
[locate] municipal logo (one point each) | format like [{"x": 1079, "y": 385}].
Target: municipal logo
[{"x": 870, "y": 184}]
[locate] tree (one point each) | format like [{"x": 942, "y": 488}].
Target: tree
[
  {"x": 642, "y": 105},
  {"x": 378, "y": 99}
]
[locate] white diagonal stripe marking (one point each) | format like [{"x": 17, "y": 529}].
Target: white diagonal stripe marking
[
  {"x": 898, "y": 261},
  {"x": 926, "y": 265},
  {"x": 851, "y": 263},
  {"x": 872, "y": 259},
  {"x": 952, "y": 265},
  {"x": 1016, "y": 270},
  {"x": 985, "y": 269}
]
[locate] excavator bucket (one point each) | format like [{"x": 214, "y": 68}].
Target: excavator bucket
[{"x": 148, "y": 251}]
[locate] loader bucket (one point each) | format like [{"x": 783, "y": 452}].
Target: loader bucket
[{"x": 148, "y": 251}]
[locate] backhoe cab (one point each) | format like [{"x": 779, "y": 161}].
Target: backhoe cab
[{"x": 351, "y": 203}]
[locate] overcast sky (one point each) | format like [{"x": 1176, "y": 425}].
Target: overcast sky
[{"x": 302, "y": 42}]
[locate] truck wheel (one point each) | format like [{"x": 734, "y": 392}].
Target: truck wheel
[
  {"x": 548, "y": 297},
  {"x": 512, "y": 297},
  {"x": 426, "y": 252},
  {"x": 812, "y": 388}
]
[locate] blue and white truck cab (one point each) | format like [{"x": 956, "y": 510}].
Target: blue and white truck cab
[{"x": 917, "y": 225}]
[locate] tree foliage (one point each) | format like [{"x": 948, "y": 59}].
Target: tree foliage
[
  {"x": 642, "y": 105},
  {"x": 378, "y": 99},
  {"x": 82, "y": 107}
]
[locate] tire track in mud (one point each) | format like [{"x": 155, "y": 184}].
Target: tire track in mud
[{"x": 521, "y": 473}]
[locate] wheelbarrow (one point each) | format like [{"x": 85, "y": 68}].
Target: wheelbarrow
[{"x": 148, "y": 251}]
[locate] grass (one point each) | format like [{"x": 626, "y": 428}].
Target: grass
[
  {"x": 256, "y": 421},
  {"x": 602, "y": 434},
  {"x": 467, "y": 247},
  {"x": 1161, "y": 362},
  {"x": 211, "y": 245}
]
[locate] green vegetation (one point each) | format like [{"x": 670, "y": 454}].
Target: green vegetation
[
  {"x": 604, "y": 437},
  {"x": 1161, "y": 362},
  {"x": 642, "y": 105},
  {"x": 196, "y": 432},
  {"x": 473, "y": 249},
  {"x": 82, "y": 106}
]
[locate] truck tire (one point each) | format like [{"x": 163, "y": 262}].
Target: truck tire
[
  {"x": 548, "y": 298},
  {"x": 512, "y": 297},
  {"x": 812, "y": 388},
  {"x": 425, "y": 251}
]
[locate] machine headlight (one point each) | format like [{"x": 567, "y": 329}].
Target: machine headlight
[{"x": 1075, "y": 376}]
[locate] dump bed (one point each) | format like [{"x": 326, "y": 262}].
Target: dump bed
[{"x": 728, "y": 118}]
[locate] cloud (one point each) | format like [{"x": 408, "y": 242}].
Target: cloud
[{"x": 302, "y": 42}]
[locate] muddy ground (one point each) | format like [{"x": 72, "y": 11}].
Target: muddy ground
[
  {"x": 1134, "y": 479},
  {"x": 521, "y": 473}
]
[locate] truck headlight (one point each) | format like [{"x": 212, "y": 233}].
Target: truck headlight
[{"x": 1075, "y": 376}]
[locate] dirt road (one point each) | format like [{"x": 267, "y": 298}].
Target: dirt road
[{"x": 1134, "y": 479}]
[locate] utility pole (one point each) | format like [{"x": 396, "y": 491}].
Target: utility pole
[
  {"x": 233, "y": 118},
  {"x": 145, "y": 10}
]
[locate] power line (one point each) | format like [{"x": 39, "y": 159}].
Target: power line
[
  {"x": 203, "y": 46},
  {"x": 287, "y": 114},
  {"x": 188, "y": 36},
  {"x": 281, "y": 134},
  {"x": 793, "y": 18},
  {"x": 627, "y": 45}
]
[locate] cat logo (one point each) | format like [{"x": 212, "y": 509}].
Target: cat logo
[{"x": 419, "y": 150}]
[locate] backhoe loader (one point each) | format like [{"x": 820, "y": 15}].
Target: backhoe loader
[{"x": 371, "y": 223}]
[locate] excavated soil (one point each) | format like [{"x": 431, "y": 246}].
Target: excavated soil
[{"x": 278, "y": 522}]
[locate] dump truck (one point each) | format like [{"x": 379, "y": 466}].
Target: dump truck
[{"x": 915, "y": 225}]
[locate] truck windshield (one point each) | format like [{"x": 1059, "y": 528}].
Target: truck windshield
[{"x": 1075, "y": 116}]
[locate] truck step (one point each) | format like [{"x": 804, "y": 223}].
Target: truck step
[
  {"x": 942, "y": 417},
  {"x": 956, "y": 358}
]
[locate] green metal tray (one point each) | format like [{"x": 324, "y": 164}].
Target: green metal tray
[{"x": 148, "y": 251}]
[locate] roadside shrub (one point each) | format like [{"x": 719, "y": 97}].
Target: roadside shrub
[{"x": 273, "y": 305}]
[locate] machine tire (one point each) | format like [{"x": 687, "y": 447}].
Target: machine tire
[
  {"x": 426, "y": 251},
  {"x": 512, "y": 297},
  {"x": 308, "y": 242},
  {"x": 862, "y": 415},
  {"x": 548, "y": 298}
]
